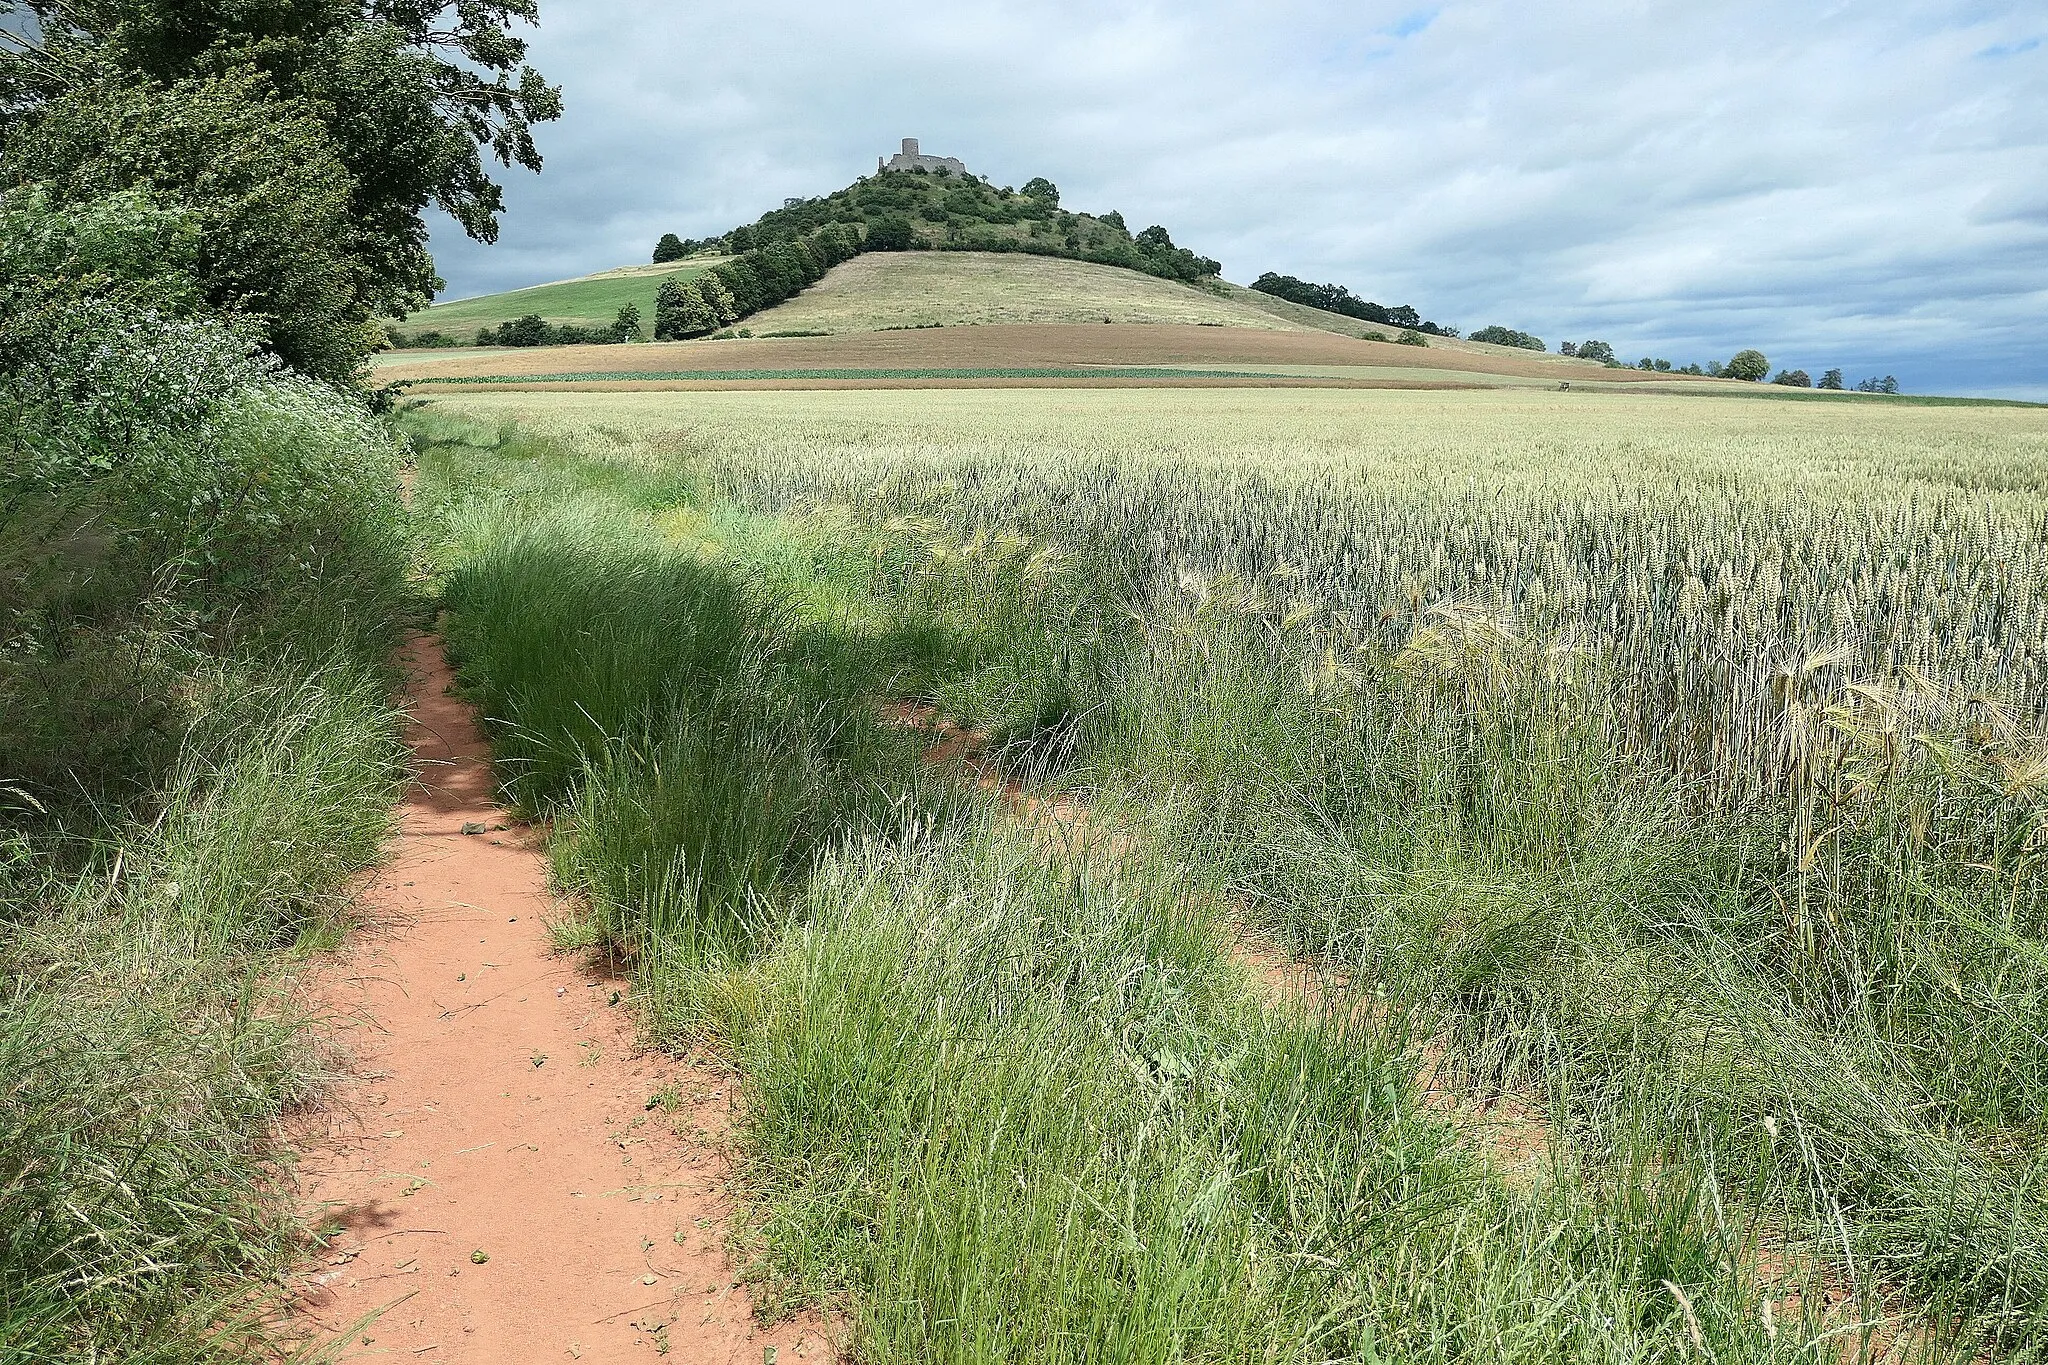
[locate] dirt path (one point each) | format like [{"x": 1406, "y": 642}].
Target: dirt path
[{"x": 498, "y": 1188}]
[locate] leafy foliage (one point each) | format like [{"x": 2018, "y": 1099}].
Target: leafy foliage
[
  {"x": 1508, "y": 336},
  {"x": 1336, "y": 298},
  {"x": 1747, "y": 365},
  {"x": 306, "y": 138}
]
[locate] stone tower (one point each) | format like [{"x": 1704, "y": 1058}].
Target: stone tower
[{"x": 911, "y": 159}]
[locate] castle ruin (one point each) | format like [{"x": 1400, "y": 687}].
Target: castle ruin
[{"x": 910, "y": 159}]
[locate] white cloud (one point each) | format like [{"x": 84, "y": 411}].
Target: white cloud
[{"x": 1834, "y": 184}]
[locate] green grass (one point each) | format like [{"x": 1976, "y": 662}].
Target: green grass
[
  {"x": 200, "y": 751},
  {"x": 1012, "y": 1097},
  {"x": 592, "y": 301}
]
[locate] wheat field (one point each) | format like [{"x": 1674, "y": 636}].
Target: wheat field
[{"x": 1667, "y": 774}]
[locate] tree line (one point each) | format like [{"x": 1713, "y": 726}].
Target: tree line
[{"x": 1336, "y": 298}]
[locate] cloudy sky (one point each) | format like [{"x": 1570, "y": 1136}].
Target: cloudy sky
[{"x": 1852, "y": 184}]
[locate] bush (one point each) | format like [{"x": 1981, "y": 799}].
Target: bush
[{"x": 534, "y": 330}]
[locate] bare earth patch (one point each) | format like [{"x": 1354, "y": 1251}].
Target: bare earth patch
[{"x": 498, "y": 1181}]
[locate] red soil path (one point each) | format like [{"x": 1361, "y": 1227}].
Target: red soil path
[{"x": 497, "y": 1187}]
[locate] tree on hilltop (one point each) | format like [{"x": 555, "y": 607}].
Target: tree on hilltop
[
  {"x": 669, "y": 248},
  {"x": 1043, "y": 190},
  {"x": 1747, "y": 365},
  {"x": 1831, "y": 380}
]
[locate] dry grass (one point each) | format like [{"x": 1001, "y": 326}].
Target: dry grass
[{"x": 958, "y": 288}]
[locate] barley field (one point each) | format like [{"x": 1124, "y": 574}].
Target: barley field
[{"x": 1649, "y": 792}]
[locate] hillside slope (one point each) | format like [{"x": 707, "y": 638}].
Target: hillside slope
[
  {"x": 591, "y": 301},
  {"x": 884, "y": 290}
]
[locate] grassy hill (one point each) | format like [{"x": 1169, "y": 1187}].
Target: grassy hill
[
  {"x": 590, "y": 301},
  {"x": 960, "y": 288},
  {"x": 992, "y": 310}
]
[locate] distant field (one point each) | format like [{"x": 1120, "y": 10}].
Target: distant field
[
  {"x": 1298, "y": 355},
  {"x": 587, "y": 302}
]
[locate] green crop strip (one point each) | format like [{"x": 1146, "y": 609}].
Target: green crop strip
[{"x": 1045, "y": 372}]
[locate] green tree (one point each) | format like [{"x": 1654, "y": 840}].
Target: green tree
[
  {"x": 626, "y": 326},
  {"x": 669, "y": 248},
  {"x": 1747, "y": 365},
  {"x": 1597, "y": 350},
  {"x": 1794, "y": 379},
  {"x": 717, "y": 298},
  {"x": 891, "y": 233},
  {"x": 262, "y": 182},
  {"x": 1042, "y": 190},
  {"x": 743, "y": 285},
  {"x": 1832, "y": 379},
  {"x": 1508, "y": 336},
  {"x": 413, "y": 96},
  {"x": 680, "y": 312}
]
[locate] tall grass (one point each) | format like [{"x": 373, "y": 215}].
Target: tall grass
[
  {"x": 1009, "y": 1098},
  {"x": 1677, "y": 769},
  {"x": 166, "y": 850}
]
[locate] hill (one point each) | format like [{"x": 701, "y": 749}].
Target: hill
[
  {"x": 591, "y": 301},
  {"x": 886, "y": 290}
]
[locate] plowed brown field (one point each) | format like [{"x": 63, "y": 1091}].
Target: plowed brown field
[{"x": 1343, "y": 360}]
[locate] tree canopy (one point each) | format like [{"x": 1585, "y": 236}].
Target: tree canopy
[{"x": 307, "y": 137}]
